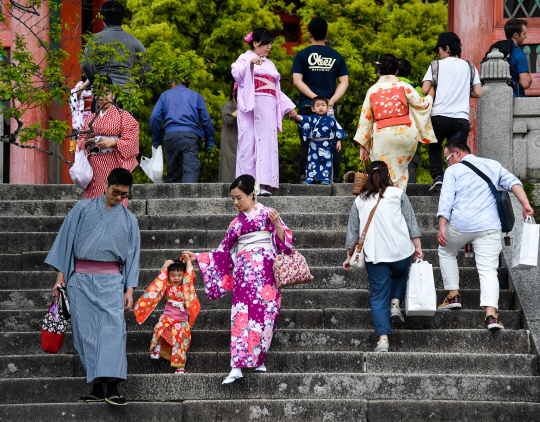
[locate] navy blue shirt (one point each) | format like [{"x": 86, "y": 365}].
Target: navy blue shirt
[
  {"x": 181, "y": 109},
  {"x": 518, "y": 64},
  {"x": 320, "y": 66}
]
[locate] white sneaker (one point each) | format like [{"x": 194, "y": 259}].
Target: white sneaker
[
  {"x": 395, "y": 313},
  {"x": 382, "y": 346}
]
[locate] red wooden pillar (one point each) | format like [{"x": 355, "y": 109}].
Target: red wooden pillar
[
  {"x": 472, "y": 21},
  {"x": 27, "y": 165},
  {"x": 71, "y": 68},
  {"x": 98, "y": 23}
]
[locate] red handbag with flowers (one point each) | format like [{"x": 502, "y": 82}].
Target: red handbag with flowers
[{"x": 291, "y": 269}]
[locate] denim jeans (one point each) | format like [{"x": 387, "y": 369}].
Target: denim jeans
[
  {"x": 487, "y": 248},
  {"x": 387, "y": 280},
  {"x": 304, "y": 150},
  {"x": 182, "y": 146},
  {"x": 445, "y": 128}
]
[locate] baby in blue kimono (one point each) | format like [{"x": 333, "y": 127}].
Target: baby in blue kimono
[{"x": 325, "y": 135}]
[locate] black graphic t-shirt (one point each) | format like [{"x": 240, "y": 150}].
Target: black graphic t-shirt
[{"x": 320, "y": 66}]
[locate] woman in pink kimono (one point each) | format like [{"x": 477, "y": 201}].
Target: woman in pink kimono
[
  {"x": 243, "y": 263},
  {"x": 261, "y": 108}
]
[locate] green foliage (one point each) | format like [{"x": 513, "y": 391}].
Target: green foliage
[
  {"x": 361, "y": 30},
  {"x": 529, "y": 188}
]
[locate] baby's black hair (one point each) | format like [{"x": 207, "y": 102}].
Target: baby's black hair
[
  {"x": 177, "y": 266},
  {"x": 319, "y": 98}
]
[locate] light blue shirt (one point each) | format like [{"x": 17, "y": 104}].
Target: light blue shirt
[{"x": 466, "y": 199}]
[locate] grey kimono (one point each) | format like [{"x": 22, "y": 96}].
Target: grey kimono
[{"x": 91, "y": 232}]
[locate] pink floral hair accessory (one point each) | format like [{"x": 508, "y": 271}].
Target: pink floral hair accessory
[{"x": 248, "y": 38}]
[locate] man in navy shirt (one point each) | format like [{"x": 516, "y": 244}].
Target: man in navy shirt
[
  {"x": 315, "y": 70},
  {"x": 516, "y": 30},
  {"x": 180, "y": 110}
]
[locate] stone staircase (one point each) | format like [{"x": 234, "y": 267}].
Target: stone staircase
[{"x": 321, "y": 364}]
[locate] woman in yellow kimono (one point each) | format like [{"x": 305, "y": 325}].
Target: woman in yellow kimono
[
  {"x": 393, "y": 120},
  {"x": 172, "y": 334}
]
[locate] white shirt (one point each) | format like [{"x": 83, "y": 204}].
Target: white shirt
[
  {"x": 452, "y": 97},
  {"x": 466, "y": 199},
  {"x": 388, "y": 238}
]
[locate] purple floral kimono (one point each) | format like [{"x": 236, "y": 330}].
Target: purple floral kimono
[{"x": 256, "y": 297}]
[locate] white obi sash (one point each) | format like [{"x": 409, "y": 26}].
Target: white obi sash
[{"x": 250, "y": 241}]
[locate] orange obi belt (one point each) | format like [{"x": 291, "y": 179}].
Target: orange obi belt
[{"x": 390, "y": 107}]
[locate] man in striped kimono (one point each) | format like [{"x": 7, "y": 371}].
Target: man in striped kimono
[{"x": 97, "y": 252}]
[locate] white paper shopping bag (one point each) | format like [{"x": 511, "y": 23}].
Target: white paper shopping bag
[
  {"x": 421, "y": 297},
  {"x": 525, "y": 250}
]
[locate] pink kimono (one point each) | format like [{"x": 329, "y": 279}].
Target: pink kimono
[
  {"x": 261, "y": 108},
  {"x": 248, "y": 274}
]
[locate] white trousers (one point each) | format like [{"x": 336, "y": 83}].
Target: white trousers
[{"x": 487, "y": 248}]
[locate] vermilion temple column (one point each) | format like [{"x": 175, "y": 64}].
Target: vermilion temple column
[
  {"x": 472, "y": 21},
  {"x": 27, "y": 165}
]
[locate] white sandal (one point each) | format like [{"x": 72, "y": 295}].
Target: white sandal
[
  {"x": 154, "y": 355},
  {"x": 261, "y": 368},
  {"x": 232, "y": 379},
  {"x": 180, "y": 371}
]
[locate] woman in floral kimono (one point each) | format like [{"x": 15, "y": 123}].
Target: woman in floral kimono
[
  {"x": 261, "y": 108},
  {"x": 243, "y": 264},
  {"x": 393, "y": 120}
]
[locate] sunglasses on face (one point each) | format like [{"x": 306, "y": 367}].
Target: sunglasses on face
[{"x": 117, "y": 193}]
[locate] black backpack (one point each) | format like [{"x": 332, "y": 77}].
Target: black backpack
[{"x": 504, "y": 46}]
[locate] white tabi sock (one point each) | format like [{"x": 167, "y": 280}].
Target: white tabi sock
[
  {"x": 157, "y": 349},
  {"x": 236, "y": 372}
]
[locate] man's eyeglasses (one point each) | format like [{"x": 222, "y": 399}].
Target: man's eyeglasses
[
  {"x": 448, "y": 158},
  {"x": 117, "y": 193}
]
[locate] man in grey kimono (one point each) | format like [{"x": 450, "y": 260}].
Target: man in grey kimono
[{"x": 97, "y": 253}]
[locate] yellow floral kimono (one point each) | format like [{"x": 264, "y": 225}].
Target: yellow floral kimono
[
  {"x": 396, "y": 145},
  {"x": 176, "y": 334}
]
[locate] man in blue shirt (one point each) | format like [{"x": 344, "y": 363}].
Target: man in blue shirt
[
  {"x": 516, "y": 30},
  {"x": 468, "y": 214},
  {"x": 315, "y": 71},
  {"x": 180, "y": 110}
]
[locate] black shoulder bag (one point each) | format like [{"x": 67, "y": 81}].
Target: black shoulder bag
[{"x": 504, "y": 203}]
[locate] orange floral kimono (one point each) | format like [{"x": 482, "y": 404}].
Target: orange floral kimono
[
  {"x": 176, "y": 334},
  {"x": 395, "y": 140}
]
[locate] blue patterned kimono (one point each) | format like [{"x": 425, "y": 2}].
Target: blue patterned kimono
[
  {"x": 91, "y": 232},
  {"x": 324, "y": 132}
]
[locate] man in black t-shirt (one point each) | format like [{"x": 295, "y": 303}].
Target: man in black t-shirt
[{"x": 315, "y": 70}]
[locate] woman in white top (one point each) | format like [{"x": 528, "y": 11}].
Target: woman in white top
[{"x": 391, "y": 241}]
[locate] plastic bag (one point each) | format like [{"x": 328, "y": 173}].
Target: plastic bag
[
  {"x": 81, "y": 172},
  {"x": 525, "y": 250},
  {"x": 153, "y": 167},
  {"x": 421, "y": 296}
]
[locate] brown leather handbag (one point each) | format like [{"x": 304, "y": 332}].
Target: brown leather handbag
[{"x": 360, "y": 179}]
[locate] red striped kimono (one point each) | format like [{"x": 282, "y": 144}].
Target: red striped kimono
[
  {"x": 176, "y": 335},
  {"x": 114, "y": 122}
]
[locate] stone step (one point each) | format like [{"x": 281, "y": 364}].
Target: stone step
[
  {"x": 332, "y": 318},
  {"x": 445, "y": 411},
  {"x": 185, "y": 206},
  {"x": 314, "y": 410},
  {"x": 161, "y": 387},
  {"x": 185, "y": 190},
  {"x": 54, "y": 412},
  {"x": 325, "y": 278},
  {"x": 291, "y": 299},
  {"x": 17, "y": 242},
  {"x": 295, "y": 221},
  {"x": 428, "y": 341},
  {"x": 154, "y": 258},
  {"x": 69, "y": 365}
]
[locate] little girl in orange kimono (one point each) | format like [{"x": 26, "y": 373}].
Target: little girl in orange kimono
[{"x": 172, "y": 334}]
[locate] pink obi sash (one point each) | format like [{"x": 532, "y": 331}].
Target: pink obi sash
[
  {"x": 175, "y": 313},
  {"x": 265, "y": 85},
  {"x": 96, "y": 267},
  {"x": 390, "y": 107}
]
